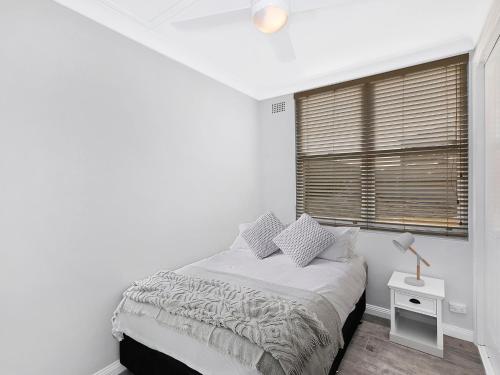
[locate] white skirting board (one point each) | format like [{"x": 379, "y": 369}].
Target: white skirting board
[
  {"x": 115, "y": 368},
  {"x": 448, "y": 329},
  {"x": 488, "y": 367}
]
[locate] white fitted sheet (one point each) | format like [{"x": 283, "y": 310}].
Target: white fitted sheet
[{"x": 342, "y": 283}]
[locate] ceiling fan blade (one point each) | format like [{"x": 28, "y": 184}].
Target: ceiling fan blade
[
  {"x": 213, "y": 20},
  {"x": 282, "y": 45},
  {"x": 299, "y": 6}
]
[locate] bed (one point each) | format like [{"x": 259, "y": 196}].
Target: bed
[{"x": 149, "y": 347}]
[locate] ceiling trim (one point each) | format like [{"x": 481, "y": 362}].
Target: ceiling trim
[
  {"x": 376, "y": 66},
  {"x": 112, "y": 17},
  {"x": 132, "y": 28}
]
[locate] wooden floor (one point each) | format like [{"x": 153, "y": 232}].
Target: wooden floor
[{"x": 371, "y": 352}]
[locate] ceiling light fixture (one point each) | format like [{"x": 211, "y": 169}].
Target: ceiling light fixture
[{"x": 270, "y": 16}]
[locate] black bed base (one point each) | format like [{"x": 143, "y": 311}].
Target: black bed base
[
  {"x": 350, "y": 326},
  {"x": 141, "y": 360}
]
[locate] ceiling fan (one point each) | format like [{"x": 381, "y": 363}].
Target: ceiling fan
[{"x": 271, "y": 17}]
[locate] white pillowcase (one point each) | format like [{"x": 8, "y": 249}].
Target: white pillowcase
[
  {"x": 344, "y": 245},
  {"x": 259, "y": 236},
  {"x": 303, "y": 240},
  {"x": 240, "y": 243}
]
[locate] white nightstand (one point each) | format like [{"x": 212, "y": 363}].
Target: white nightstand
[{"x": 416, "y": 314}]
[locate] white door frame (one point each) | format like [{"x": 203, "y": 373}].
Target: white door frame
[{"x": 489, "y": 36}]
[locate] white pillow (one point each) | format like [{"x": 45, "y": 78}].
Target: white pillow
[
  {"x": 240, "y": 243},
  {"x": 344, "y": 245},
  {"x": 259, "y": 236},
  {"x": 303, "y": 240}
]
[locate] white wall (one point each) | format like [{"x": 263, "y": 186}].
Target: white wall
[
  {"x": 114, "y": 162},
  {"x": 451, "y": 259}
]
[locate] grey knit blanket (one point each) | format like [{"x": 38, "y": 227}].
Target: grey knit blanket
[{"x": 286, "y": 329}]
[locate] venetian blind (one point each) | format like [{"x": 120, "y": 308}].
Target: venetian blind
[{"x": 388, "y": 151}]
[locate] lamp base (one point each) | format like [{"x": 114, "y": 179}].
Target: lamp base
[{"x": 413, "y": 281}]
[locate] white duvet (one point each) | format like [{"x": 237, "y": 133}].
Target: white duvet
[{"x": 342, "y": 283}]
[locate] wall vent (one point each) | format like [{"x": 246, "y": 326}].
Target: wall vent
[{"x": 278, "y": 107}]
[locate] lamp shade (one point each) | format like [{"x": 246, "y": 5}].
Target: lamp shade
[
  {"x": 404, "y": 241},
  {"x": 270, "y": 16}
]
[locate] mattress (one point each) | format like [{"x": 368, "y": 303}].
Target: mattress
[{"x": 342, "y": 283}]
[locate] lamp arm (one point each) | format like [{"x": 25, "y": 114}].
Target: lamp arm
[{"x": 418, "y": 255}]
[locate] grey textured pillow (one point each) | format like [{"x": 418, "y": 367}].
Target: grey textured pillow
[
  {"x": 259, "y": 236},
  {"x": 303, "y": 240}
]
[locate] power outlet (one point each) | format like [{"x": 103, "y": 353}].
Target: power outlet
[{"x": 458, "y": 308}]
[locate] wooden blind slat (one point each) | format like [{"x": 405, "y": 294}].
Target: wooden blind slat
[{"x": 387, "y": 152}]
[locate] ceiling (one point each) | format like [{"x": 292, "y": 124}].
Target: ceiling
[{"x": 344, "y": 40}]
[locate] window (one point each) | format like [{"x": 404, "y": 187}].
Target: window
[{"x": 388, "y": 151}]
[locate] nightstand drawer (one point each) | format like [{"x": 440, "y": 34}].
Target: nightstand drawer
[{"x": 415, "y": 303}]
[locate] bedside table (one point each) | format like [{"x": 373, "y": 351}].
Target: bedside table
[{"x": 416, "y": 314}]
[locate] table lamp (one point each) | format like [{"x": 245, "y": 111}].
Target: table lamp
[{"x": 405, "y": 242}]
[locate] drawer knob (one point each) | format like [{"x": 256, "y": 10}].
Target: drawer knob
[{"x": 415, "y": 301}]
